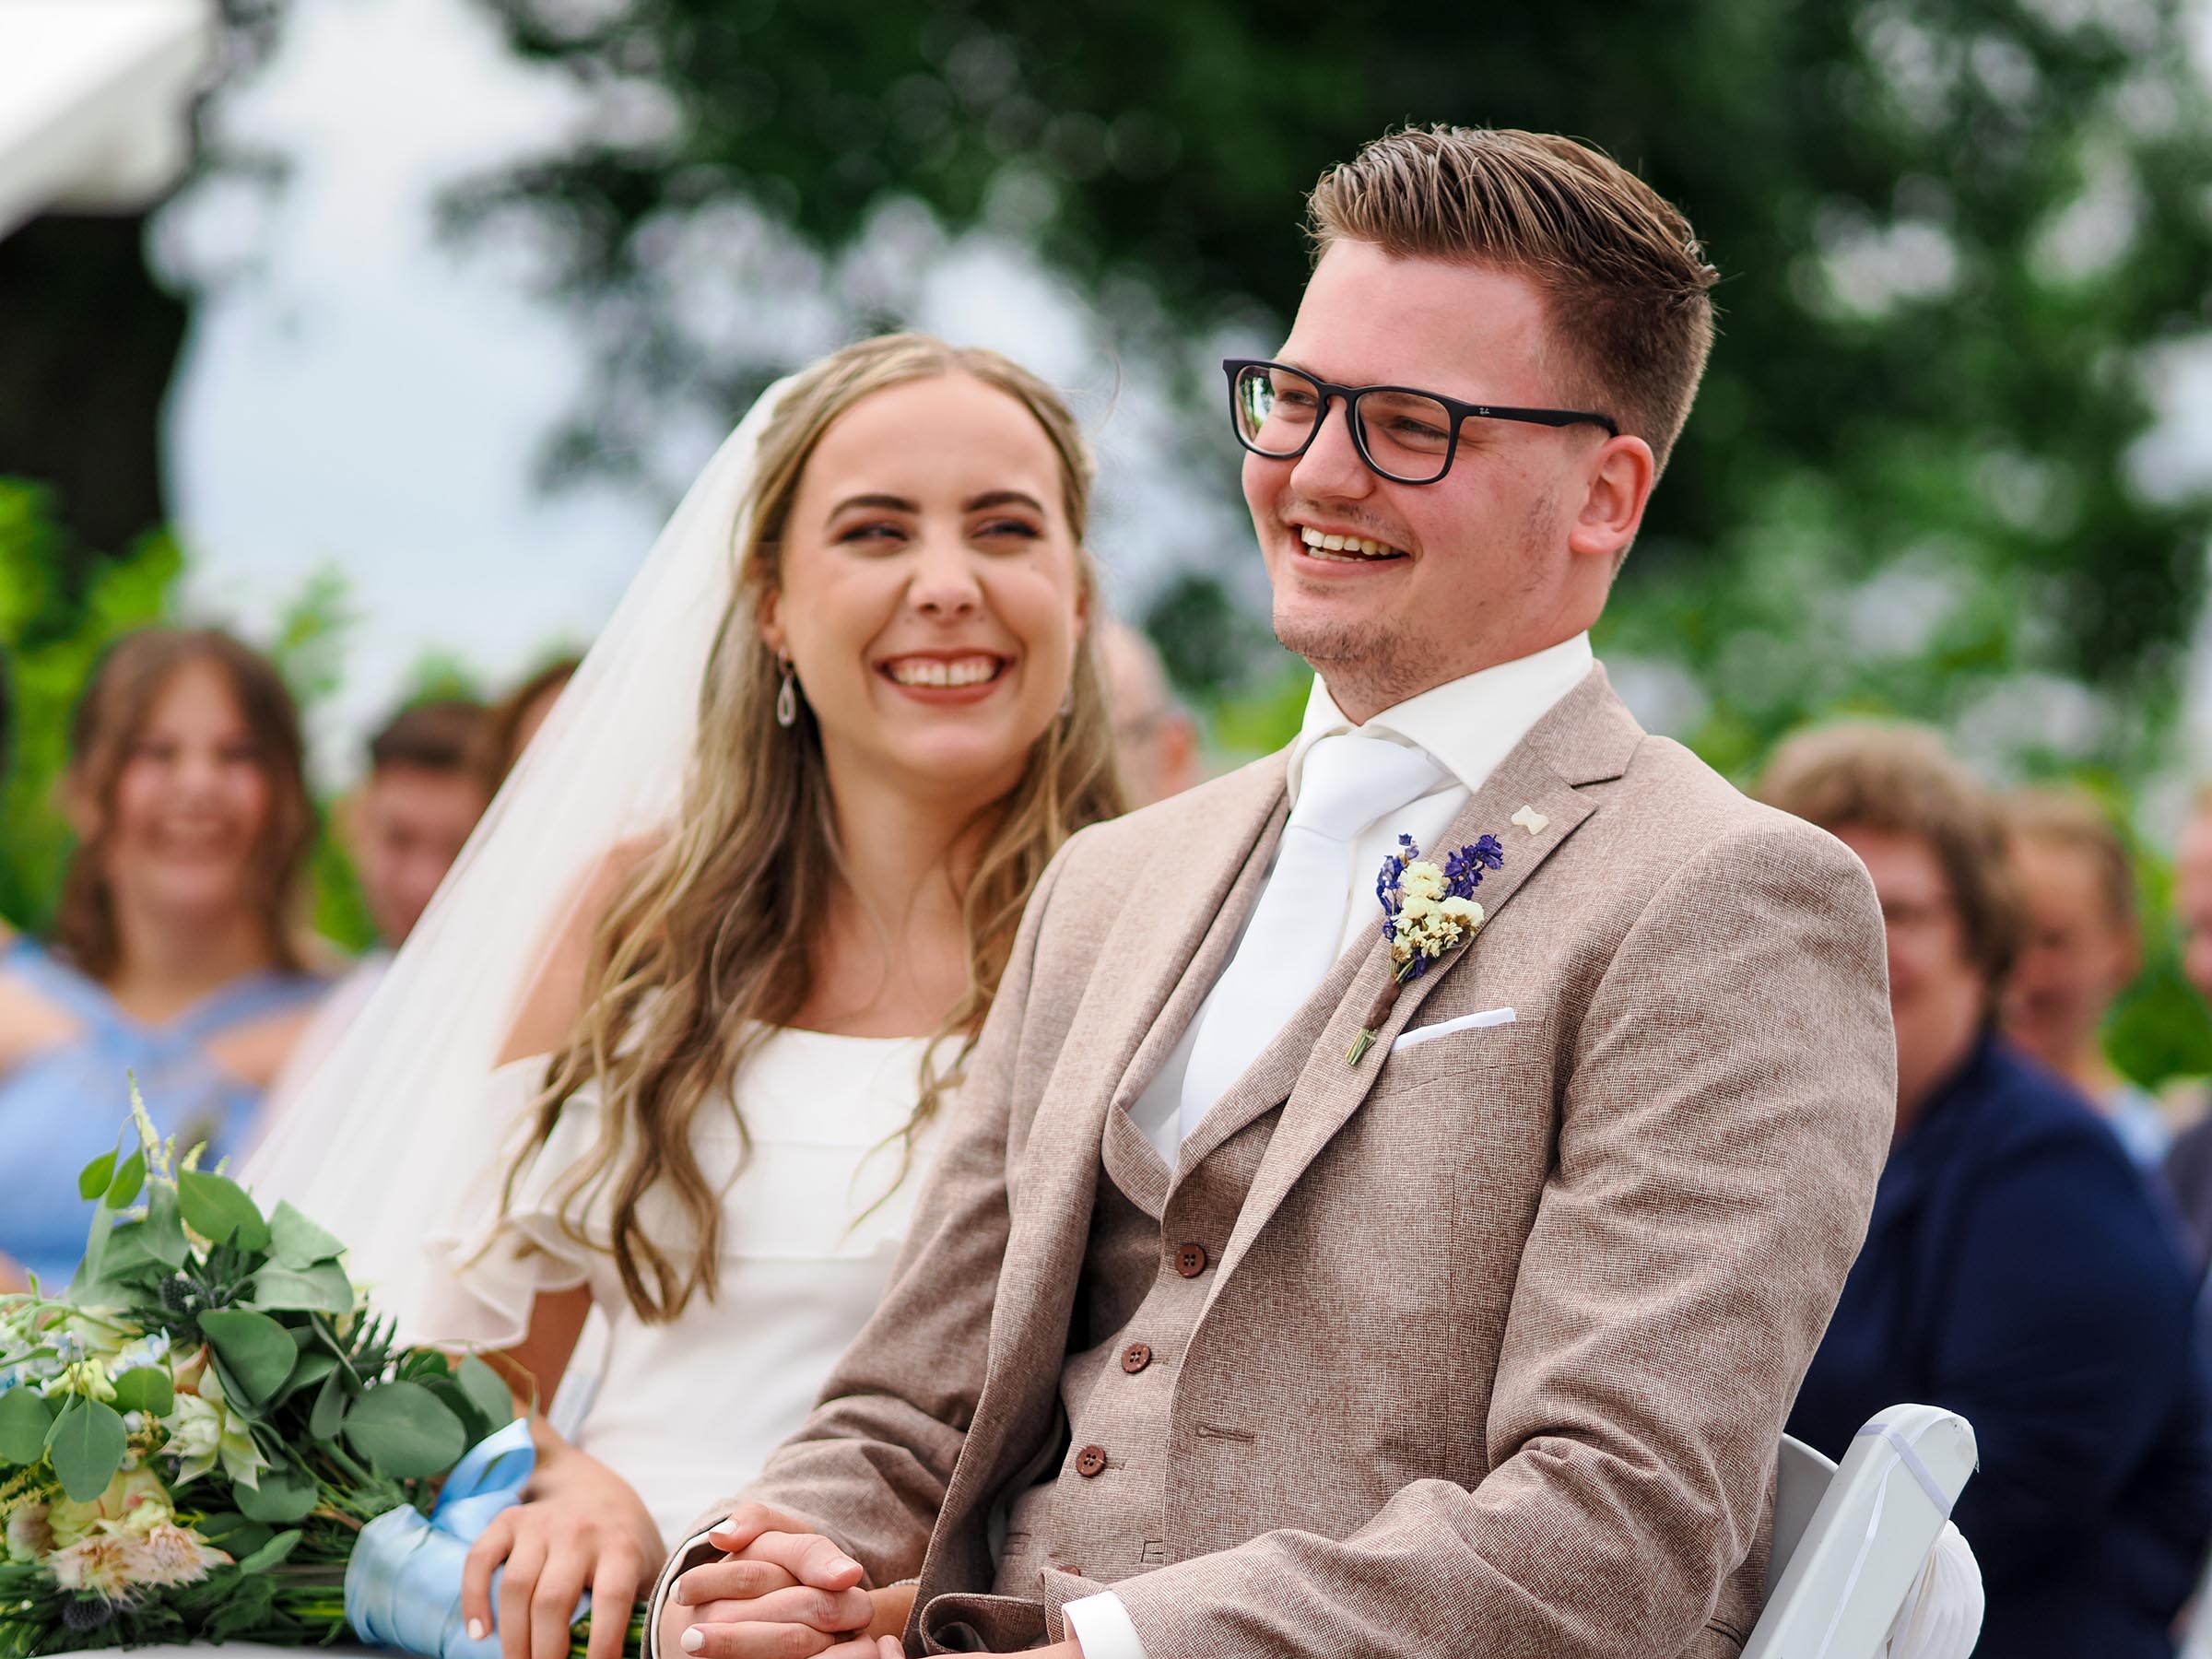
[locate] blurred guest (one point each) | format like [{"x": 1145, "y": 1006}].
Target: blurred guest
[
  {"x": 2016, "y": 1269},
  {"x": 510, "y": 723},
  {"x": 174, "y": 954},
  {"x": 1155, "y": 739},
  {"x": 423, "y": 795},
  {"x": 2081, "y": 946},
  {"x": 2189, "y": 1166}
]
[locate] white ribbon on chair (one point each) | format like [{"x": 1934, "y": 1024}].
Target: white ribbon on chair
[{"x": 1942, "y": 1614}]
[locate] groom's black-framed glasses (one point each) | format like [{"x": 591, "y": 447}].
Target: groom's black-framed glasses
[{"x": 1408, "y": 436}]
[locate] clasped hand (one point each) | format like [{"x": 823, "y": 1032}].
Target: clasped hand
[{"x": 780, "y": 1592}]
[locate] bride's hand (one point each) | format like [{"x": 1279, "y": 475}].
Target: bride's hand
[{"x": 582, "y": 1528}]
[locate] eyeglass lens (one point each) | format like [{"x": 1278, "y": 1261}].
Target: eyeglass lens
[{"x": 1406, "y": 435}]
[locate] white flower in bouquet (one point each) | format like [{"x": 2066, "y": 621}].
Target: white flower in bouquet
[
  {"x": 203, "y": 1432},
  {"x": 30, "y": 1534}
]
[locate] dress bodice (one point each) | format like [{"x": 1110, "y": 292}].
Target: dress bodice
[
  {"x": 68, "y": 1102},
  {"x": 817, "y": 1188}
]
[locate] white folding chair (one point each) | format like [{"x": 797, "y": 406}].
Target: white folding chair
[{"x": 1850, "y": 1543}]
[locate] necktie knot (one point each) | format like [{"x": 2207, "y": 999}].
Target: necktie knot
[{"x": 1348, "y": 780}]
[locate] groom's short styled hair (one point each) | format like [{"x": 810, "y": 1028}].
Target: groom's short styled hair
[{"x": 1625, "y": 282}]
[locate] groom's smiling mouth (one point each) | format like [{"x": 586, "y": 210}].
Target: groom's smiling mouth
[{"x": 1336, "y": 547}]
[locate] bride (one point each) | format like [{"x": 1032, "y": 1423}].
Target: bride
[{"x": 722, "y": 953}]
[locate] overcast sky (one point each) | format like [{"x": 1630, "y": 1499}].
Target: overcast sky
[{"x": 358, "y": 395}]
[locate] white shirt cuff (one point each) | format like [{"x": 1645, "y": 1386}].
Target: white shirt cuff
[{"x": 1103, "y": 1626}]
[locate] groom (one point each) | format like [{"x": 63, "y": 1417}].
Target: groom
[{"x": 1209, "y": 1339}]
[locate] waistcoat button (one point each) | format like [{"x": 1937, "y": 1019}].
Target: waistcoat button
[
  {"x": 1090, "y": 1461},
  {"x": 1136, "y": 1357},
  {"x": 1190, "y": 1261}
]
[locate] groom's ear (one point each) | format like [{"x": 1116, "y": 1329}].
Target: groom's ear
[{"x": 1618, "y": 484}]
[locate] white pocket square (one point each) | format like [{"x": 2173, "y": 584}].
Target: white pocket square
[{"x": 1444, "y": 1028}]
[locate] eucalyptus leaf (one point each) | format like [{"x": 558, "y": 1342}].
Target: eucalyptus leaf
[
  {"x": 96, "y": 1248},
  {"x": 488, "y": 1389},
  {"x": 286, "y": 1494},
  {"x": 309, "y": 1369},
  {"x": 405, "y": 1431},
  {"x": 129, "y": 1181},
  {"x": 92, "y": 1179},
  {"x": 321, "y": 1288},
  {"x": 219, "y": 1209},
  {"x": 329, "y": 1414},
  {"x": 455, "y": 1399},
  {"x": 256, "y": 1351},
  {"x": 232, "y": 1533},
  {"x": 298, "y": 1242},
  {"x": 147, "y": 1389},
  {"x": 24, "y": 1420},
  {"x": 86, "y": 1446},
  {"x": 165, "y": 1239},
  {"x": 129, "y": 1254},
  {"x": 271, "y": 1554}
]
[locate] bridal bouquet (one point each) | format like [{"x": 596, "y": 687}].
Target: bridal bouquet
[{"x": 210, "y": 1435}]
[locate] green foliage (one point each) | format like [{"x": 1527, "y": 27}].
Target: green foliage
[
  {"x": 56, "y": 616},
  {"x": 1949, "y": 230},
  {"x": 85, "y": 1445}
]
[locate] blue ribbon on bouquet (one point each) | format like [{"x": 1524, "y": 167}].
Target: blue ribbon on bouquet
[{"x": 402, "y": 1583}]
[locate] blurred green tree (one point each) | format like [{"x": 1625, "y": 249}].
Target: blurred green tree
[{"x": 1951, "y": 232}]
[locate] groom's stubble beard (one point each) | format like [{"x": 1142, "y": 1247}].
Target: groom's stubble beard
[{"x": 1385, "y": 660}]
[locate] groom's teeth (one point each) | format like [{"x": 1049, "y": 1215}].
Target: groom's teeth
[
  {"x": 1321, "y": 544},
  {"x": 929, "y": 671}
]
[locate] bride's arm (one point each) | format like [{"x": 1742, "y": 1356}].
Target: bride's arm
[
  {"x": 581, "y": 1526},
  {"x": 535, "y": 1366}
]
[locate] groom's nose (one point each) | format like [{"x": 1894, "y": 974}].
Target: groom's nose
[{"x": 1331, "y": 467}]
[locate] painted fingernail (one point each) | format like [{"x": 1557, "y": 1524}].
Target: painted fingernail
[
  {"x": 694, "y": 1639},
  {"x": 476, "y": 1629}
]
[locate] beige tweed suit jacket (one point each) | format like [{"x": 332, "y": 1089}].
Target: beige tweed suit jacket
[{"x": 1492, "y": 1337}]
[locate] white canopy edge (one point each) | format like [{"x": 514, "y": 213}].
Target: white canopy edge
[{"x": 96, "y": 101}]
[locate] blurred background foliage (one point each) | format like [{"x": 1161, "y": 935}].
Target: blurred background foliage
[
  {"x": 1960, "y": 241},
  {"x": 1950, "y": 233}
]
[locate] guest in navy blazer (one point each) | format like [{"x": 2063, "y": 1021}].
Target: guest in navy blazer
[{"x": 2016, "y": 1269}]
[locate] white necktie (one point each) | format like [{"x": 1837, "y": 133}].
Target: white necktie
[{"x": 1349, "y": 780}]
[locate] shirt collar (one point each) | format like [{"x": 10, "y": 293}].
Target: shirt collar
[{"x": 1467, "y": 725}]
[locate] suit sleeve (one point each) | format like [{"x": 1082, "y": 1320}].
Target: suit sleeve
[
  {"x": 869, "y": 1467},
  {"x": 1724, "y": 1122}
]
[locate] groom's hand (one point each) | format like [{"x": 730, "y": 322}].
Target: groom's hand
[{"x": 780, "y": 1591}]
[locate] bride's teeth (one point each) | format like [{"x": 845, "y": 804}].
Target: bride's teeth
[{"x": 924, "y": 671}]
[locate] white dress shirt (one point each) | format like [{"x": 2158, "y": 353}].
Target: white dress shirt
[{"x": 1467, "y": 725}]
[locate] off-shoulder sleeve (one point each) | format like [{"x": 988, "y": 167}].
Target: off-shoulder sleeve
[{"x": 504, "y": 1250}]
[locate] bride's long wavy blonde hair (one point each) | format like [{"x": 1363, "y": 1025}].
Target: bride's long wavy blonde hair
[{"x": 704, "y": 949}]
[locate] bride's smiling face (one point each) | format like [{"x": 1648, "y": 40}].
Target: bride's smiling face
[{"x": 930, "y": 594}]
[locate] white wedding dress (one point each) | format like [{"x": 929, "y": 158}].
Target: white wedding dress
[{"x": 688, "y": 1411}]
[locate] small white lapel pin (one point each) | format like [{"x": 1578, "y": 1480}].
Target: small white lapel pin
[{"x": 1530, "y": 820}]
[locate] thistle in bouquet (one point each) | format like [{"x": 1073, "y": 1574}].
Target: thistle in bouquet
[{"x": 195, "y": 1435}]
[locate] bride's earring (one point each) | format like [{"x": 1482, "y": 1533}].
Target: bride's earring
[
  {"x": 787, "y": 698},
  {"x": 1067, "y": 703}
]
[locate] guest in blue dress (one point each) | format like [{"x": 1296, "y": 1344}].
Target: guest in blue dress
[
  {"x": 2016, "y": 1268},
  {"x": 174, "y": 954}
]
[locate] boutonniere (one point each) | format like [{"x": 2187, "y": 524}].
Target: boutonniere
[{"x": 1428, "y": 911}]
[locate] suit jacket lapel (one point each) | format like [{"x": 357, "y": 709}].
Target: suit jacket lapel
[{"x": 1586, "y": 738}]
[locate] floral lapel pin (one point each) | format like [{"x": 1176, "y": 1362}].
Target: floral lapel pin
[{"x": 1428, "y": 911}]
